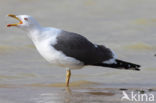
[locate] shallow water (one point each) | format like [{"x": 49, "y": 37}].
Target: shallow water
[
  {"x": 66, "y": 95},
  {"x": 126, "y": 26}
]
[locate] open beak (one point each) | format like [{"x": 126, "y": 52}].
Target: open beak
[{"x": 14, "y": 16}]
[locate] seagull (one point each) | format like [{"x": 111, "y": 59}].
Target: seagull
[{"x": 67, "y": 49}]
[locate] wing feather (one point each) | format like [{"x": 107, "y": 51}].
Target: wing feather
[{"x": 77, "y": 46}]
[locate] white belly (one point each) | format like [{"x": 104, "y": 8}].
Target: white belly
[
  {"x": 43, "y": 42},
  {"x": 57, "y": 57}
]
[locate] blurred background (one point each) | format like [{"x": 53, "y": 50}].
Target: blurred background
[{"x": 126, "y": 26}]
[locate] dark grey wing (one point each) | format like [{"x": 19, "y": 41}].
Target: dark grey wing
[{"x": 78, "y": 47}]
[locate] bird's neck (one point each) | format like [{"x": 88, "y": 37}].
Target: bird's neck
[
  {"x": 32, "y": 28},
  {"x": 34, "y": 32}
]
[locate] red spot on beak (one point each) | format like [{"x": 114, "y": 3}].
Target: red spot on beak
[{"x": 9, "y": 25}]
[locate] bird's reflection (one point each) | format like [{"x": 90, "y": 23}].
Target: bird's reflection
[
  {"x": 70, "y": 95},
  {"x": 65, "y": 96},
  {"x": 68, "y": 91}
]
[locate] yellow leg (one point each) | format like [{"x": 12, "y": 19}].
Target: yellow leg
[{"x": 68, "y": 74}]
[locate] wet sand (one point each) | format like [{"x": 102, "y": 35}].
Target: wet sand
[{"x": 126, "y": 26}]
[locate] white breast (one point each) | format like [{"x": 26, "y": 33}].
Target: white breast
[{"x": 45, "y": 48}]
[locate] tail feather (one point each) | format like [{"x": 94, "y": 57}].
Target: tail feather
[{"x": 121, "y": 65}]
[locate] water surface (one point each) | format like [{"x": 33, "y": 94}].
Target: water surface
[{"x": 126, "y": 26}]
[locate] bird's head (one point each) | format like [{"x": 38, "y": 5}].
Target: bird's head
[{"x": 26, "y": 22}]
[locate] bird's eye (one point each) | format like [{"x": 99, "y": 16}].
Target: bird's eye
[{"x": 26, "y": 19}]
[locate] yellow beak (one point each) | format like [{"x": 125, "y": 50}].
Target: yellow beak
[{"x": 14, "y": 16}]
